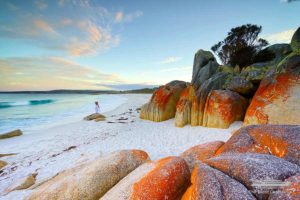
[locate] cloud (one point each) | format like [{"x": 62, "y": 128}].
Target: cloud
[
  {"x": 47, "y": 73},
  {"x": 88, "y": 32},
  {"x": 12, "y": 6},
  {"x": 281, "y": 37},
  {"x": 61, "y": 2},
  {"x": 133, "y": 86},
  {"x": 288, "y": 1},
  {"x": 176, "y": 69},
  {"x": 171, "y": 59},
  {"x": 66, "y": 21},
  {"x": 44, "y": 26},
  {"x": 121, "y": 17},
  {"x": 29, "y": 29},
  {"x": 97, "y": 39},
  {"x": 40, "y": 4}
]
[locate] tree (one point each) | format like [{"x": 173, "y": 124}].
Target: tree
[{"x": 241, "y": 46}]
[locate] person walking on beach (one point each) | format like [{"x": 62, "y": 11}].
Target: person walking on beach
[{"x": 97, "y": 107}]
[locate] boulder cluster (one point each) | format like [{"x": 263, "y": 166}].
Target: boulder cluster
[
  {"x": 218, "y": 95},
  {"x": 257, "y": 162}
]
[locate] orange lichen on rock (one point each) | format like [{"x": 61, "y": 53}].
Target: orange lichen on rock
[
  {"x": 162, "y": 105},
  {"x": 209, "y": 183},
  {"x": 183, "y": 107},
  {"x": 161, "y": 96},
  {"x": 223, "y": 107},
  {"x": 278, "y": 140},
  {"x": 167, "y": 180},
  {"x": 200, "y": 152},
  {"x": 276, "y": 101},
  {"x": 195, "y": 112}
]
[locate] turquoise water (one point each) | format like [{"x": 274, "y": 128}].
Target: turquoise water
[{"x": 30, "y": 112}]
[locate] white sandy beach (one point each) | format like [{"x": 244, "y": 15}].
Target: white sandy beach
[{"x": 52, "y": 150}]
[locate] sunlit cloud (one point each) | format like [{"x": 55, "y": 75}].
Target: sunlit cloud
[
  {"x": 89, "y": 32},
  {"x": 281, "y": 37},
  {"x": 171, "y": 59},
  {"x": 122, "y": 17},
  {"x": 44, "y": 26},
  {"x": 66, "y": 21},
  {"x": 97, "y": 39},
  {"x": 47, "y": 73}
]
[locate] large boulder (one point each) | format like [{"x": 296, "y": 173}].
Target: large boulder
[
  {"x": 215, "y": 82},
  {"x": 211, "y": 184},
  {"x": 165, "y": 179},
  {"x": 277, "y": 99},
  {"x": 91, "y": 180},
  {"x": 295, "y": 43},
  {"x": 279, "y": 140},
  {"x": 257, "y": 71},
  {"x": 280, "y": 51},
  {"x": 251, "y": 169},
  {"x": 200, "y": 152},
  {"x": 223, "y": 107},
  {"x": 183, "y": 107},
  {"x": 240, "y": 85},
  {"x": 289, "y": 191},
  {"x": 203, "y": 59},
  {"x": 10, "y": 134},
  {"x": 162, "y": 105}
]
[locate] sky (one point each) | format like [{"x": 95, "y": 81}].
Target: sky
[{"x": 114, "y": 44}]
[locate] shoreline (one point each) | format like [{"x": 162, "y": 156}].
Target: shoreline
[
  {"x": 65, "y": 116},
  {"x": 61, "y": 147}
]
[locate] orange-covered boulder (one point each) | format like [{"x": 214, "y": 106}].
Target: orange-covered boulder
[
  {"x": 223, "y": 107},
  {"x": 279, "y": 140},
  {"x": 183, "y": 107},
  {"x": 211, "y": 184},
  {"x": 276, "y": 101},
  {"x": 165, "y": 179},
  {"x": 290, "y": 190},
  {"x": 162, "y": 105},
  {"x": 200, "y": 152},
  {"x": 250, "y": 169},
  {"x": 90, "y": 180},
  {"x": 215, "y": 82}
]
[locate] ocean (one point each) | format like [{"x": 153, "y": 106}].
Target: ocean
[{"x": 31, "y": 112}]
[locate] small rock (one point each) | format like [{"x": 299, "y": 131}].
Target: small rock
[
  {"x": 2, "y": 164},
  {"x": 95, "y": 116},
  {"x": 7, "y": 154},
  {"x": 10, "y": 134},
  {"x": 22, "y": 184}
]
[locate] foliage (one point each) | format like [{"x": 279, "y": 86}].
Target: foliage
[{"x": 241, "y": 46}]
